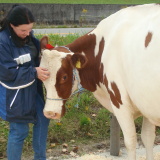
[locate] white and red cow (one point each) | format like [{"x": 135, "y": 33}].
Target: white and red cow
[{"x": 119, "y": 61}]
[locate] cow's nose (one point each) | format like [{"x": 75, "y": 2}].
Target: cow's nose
[{"x": 52, "y": 115}]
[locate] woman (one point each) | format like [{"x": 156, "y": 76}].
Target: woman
[{"x": 21, "y": 100}]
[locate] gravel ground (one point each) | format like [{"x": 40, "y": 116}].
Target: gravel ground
[
  {"x": 123, "y": 155},
  {"x": 105, "y": 155},
  {"x": 91, "y": 152}
]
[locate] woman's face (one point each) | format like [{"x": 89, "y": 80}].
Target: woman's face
[{"x": 23, "y": 30}]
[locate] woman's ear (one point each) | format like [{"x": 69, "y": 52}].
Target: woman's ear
[{"x": 12, "y": 26}]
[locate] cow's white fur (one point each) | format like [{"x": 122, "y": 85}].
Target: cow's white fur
[
  {"x": 124, "y": 42},
  {"x": 134, "y": 68}
]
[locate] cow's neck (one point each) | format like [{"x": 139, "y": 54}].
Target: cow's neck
[{"x": 92, "y": 74}]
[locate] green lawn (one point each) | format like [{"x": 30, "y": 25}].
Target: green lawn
[{"x": 83, "y": 1}]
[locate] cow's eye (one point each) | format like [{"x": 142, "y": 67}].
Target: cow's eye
[{"x": 64, "y": 77}]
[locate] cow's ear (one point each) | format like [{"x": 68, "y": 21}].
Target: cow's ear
[
  {"x": 43, "y": 42},
  {"x": 78, "y": 60}
]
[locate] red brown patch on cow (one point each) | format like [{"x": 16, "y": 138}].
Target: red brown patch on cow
[
  {"x": 116, "y": 92},
  {"x": 148, "y": 39},
  {"x": 64, "y": 78},
  {"x": 89, "y": 75},
  {"x": 115, "y": 97},
  {"x": 63, "y": 109},
  {"x": 101, "y": 69}
]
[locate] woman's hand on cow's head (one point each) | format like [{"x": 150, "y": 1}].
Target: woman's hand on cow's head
[{"x": 42, "y": 73}]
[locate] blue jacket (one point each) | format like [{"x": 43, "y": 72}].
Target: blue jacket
[{"x": 19, "y": 85}]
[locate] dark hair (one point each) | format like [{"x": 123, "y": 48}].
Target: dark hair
[{"x": 18, "y": 15}]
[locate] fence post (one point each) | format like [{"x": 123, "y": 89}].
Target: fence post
[{"x": 114, "y": 136}]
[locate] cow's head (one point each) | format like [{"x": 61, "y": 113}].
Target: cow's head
[{"x": 61, "y": 63}]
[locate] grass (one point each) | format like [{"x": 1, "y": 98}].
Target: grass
[
  {"x": 82, "y": 1},
  {"x": 56, "y": 39},
  {"x": 79, "y": 122}
]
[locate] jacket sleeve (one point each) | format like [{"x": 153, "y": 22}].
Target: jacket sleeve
[{"x": 12, "y": 75}]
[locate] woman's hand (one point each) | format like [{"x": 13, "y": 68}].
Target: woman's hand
[{"x": 42, "y": 73}]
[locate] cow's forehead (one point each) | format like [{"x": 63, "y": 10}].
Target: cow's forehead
[{"x": 52, "y": 60}]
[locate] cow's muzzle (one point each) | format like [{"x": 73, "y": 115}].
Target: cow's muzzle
[{"x": 52, "y": 115}]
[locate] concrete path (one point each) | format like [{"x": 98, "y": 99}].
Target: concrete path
[{"x": 62, "y": 31}]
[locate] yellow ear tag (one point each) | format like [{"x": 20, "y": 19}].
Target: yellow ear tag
[{"x": 78, "y": 64}]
